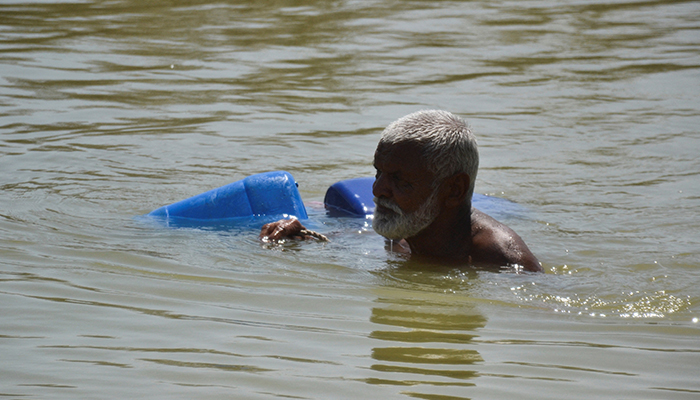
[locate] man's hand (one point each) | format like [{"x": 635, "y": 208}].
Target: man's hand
[{"x": 281, "y": 229}]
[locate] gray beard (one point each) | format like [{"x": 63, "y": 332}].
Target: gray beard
[{"x": 399, "y": 225}]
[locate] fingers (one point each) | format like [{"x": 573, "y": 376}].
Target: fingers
[
  {"x": 267, "y": 230},
  {"x": 281, "y": 229}
]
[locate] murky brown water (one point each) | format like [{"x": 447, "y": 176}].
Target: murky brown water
[{"x": 587, "y": 115}]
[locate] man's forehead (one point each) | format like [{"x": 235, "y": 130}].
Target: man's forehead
[
  {"x": 399, "y": 150},
  {"x": 403, "y": 156}
]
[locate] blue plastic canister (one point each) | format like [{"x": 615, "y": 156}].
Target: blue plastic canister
[
  {"x": 351, "y": 197},
  {"x": 266, "y": 194}
]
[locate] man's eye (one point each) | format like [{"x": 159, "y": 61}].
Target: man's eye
[{"x": 401, "y": 182}]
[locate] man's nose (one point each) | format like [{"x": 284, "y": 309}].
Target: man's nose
[{"x": 380, "y": 187}]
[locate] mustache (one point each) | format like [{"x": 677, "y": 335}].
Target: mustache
[{"x": 388, "y": 204}]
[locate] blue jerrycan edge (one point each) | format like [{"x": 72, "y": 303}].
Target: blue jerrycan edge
[{"x": 261, "y": 195}]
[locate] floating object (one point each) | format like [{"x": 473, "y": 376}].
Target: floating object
[
  {"x": 354, "y": 198},
  {"x": 270, "y": 194},
  {"x": 350, "y": 198}
]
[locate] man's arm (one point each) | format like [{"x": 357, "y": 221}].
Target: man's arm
[
  {"x": 525, "y": 258},
  {"x": 496, "y": 243}
]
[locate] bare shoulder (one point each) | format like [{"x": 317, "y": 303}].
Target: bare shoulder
[{"x": 496, "y": 243}]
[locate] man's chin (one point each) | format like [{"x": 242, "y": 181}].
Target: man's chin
[
  {"x": 384, "y": 226},
  {"x": 393, "y": 225},
  {"x": 392, "y": 229}
]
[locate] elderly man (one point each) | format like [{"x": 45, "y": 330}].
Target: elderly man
[{"x": 426, "y": 165}]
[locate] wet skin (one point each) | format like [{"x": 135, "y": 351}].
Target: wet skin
[{"x": 460, "y": 234}]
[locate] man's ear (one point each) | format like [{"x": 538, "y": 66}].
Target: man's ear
[{"x": 457, "y": 188}]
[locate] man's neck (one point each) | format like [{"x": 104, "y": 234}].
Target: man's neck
[{"x": 448, "y": 237}]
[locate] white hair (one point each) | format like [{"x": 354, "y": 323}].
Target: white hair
[{"x": 447, "y": 143}]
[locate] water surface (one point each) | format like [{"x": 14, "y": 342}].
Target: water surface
[{"x": 586, "y": 114}]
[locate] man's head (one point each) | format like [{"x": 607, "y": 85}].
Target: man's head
[
  {"x": 415, "y": 155},
  {"x": 447, "y": 143}
]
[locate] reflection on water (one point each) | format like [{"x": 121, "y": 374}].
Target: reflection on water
[
  {"x": 586, "y": 115},
  {"x": 427, "y": 344}
]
